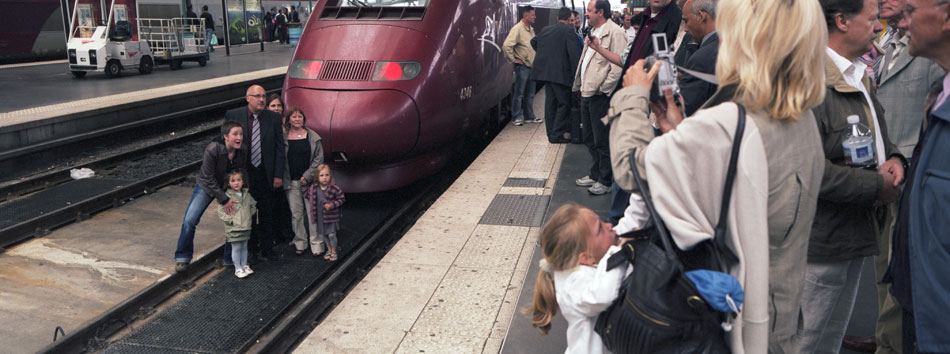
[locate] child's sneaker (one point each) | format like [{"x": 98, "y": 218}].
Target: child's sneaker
[
  {"x": 247, "y": 270},
  {"x": 240, "y": 273}
]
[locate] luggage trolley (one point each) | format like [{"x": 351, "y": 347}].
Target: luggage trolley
[
  {"x": 175, "y": 40},
  {"x": 110, "y": 49}
]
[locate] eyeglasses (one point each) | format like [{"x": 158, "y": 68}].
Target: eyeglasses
[
  {"x": 909, "y": 10},
  {"x": 257, "y": 96}
]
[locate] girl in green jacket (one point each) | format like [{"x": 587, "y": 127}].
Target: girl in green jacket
[{"x": 237, "y": 226}]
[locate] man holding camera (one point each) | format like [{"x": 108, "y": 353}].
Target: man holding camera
[{"x": 596, "y": 77}]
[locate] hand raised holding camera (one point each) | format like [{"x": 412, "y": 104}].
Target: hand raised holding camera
[
  {"x": 637, "y": 76},
  {"x": 668, "y": 113}
]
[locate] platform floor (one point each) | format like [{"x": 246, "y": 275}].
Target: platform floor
[
  {"x": 455, "y": 284},
  {"x": 52, "y": 84}
]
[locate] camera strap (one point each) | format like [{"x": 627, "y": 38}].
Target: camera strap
[{"x": 710, "y": 78}]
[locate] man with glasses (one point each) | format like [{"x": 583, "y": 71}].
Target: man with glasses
[
  {"x": 264, "y": 147},
  {"x": 921, "y": 245}
]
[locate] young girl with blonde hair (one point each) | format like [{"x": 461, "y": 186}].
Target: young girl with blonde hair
[{"x": 573, "y": 278}]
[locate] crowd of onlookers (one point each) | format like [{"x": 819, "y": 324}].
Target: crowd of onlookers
[
  {"x": 809, "y": 206},
  {"x": 276, "y": 22}
]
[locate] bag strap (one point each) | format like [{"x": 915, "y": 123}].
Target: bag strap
[
  {"x": 648, "y": 200},
  {"x": 724, "y": 256}
]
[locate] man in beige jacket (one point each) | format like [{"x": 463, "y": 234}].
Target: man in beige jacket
[
  {"x": 596, "y": 78},
  {"x": 518, "y": 50}
]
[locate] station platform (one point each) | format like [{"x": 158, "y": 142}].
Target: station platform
[
  {"x": 456, "y": 282},
  {"x": 44, "y": 106}
]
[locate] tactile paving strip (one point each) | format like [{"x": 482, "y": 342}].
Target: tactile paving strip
[
  {"x": 516, "y": 210},
  {"x": 526, "y": 182},
  {"x": 49, "y": 200}
]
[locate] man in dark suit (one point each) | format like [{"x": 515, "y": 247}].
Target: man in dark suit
[
  {"x": 699, "y": 16},
  {"x": 265, "y": 165},
  {"x": 557, "y": 56}
]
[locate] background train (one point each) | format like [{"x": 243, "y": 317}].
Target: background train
[
  {"x": 33, "y": 30},
  {"x": 393, "y": 89}
]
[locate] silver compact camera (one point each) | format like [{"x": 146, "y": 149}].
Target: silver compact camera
[{"x": 666, "y": 78}]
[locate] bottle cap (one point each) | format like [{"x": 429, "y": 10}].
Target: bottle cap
[{"x": 853, "y": 119}]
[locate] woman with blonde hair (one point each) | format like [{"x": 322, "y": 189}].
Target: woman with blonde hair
[{"x": 777, "y": 74}]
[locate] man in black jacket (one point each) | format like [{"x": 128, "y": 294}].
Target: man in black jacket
[
  {"x": 667, "y": 20},
  {"x": 557, "y": 56},
  {"x": 264, "y": 147},
  {"x": 209, "y": 26},
  {"x": 699, "y": 16}
]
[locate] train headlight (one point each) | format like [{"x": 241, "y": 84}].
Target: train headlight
[
  {"x": 305, "y": 69},
  {"x": 72, "y": 56},
  {"x": 396, "y": 70},
  {"x": 93, "y": 60}
]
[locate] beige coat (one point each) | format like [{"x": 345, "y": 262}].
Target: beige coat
[
  {"x": 518, "y": 44},
  {"x": 601, "y": 76},
  {"x": 776, "y": 188}
]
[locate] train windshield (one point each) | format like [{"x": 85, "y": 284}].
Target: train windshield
[{"x": 383, "y": 3}]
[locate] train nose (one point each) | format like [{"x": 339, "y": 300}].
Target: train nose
[{"x": 366, "y": 126}]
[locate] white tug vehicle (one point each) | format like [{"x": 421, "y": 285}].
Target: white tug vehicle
[{"x": 112, "y": 48}]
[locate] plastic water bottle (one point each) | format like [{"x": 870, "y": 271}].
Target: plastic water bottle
[{"x": 858, "y": 144}]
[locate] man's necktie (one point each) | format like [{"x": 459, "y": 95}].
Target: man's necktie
[{"x": 255, "y": 142}]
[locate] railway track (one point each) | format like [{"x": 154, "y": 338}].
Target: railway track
[
  {"x": 16, "y": 231},
  {"x": 18, "y": 223},
  {"x": 295, "y": 319}
]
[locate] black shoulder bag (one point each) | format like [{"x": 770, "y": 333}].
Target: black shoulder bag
[{"x": 659, "y": 309}]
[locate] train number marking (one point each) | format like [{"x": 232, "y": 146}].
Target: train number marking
[
  {"x": 465, "y": 93},
  {"x": 488, "y": 36}
]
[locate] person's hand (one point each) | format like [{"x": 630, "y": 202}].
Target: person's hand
[
  {"x": 593, "y": 42},
  {"x": 889, "y": 191},
  {"x": 635, "y": 76},
  {"x": 327, "y": 206},
  {"x": 895, "y": 168},
  {"x": 518, "y": 61},
  {"x": 303, "y": 181},
  {"x": 278, "y": 182},
  {"x": 230, "y": 207},
  {"x": 667, "y": 112}
]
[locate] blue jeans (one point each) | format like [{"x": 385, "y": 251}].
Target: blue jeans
[
  {"x": 186, "y": 239},
  {"x": 208, "y": 33},
  {"x": 619, "y": 199},
  {"x": 522, "y": 98}
]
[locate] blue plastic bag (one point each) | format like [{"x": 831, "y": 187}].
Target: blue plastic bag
[{"x": 718, "y": 289}]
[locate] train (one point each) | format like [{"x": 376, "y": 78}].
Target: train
[{"x": 393, "y": 87}]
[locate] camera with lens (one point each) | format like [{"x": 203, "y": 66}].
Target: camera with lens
[{"x": 666, "y": 78}]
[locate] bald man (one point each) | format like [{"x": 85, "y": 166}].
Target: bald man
[{"x": 264, "y": 145}]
